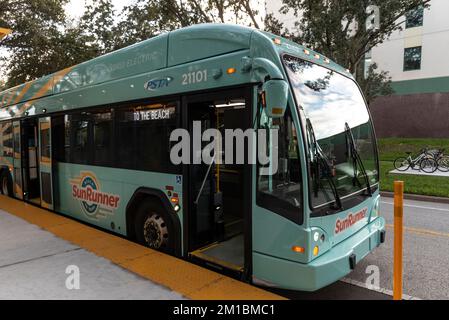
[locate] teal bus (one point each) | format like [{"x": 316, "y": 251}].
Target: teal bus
[{"x": 93, "y": 142}]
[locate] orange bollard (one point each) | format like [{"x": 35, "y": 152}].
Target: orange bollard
[{"x": 398, "y": 237}]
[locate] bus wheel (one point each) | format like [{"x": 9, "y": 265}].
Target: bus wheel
[
  {"x": 153, "y": 227},
  {"x": 6, "y": 184}
]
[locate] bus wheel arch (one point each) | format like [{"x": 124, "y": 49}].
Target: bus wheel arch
[
  {"x": 6, "y": 187},
  {"x": 150, "y": 209}
]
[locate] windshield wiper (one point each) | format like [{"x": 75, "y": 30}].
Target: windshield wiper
[
  {"x": 323, "y": 160},
  {"x": 357, "y": 159}
]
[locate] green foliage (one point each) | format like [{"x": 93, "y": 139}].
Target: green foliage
[
  {"x": 392, "y": 148},
  {"x": 36, "y": 25},
  {"x": 422, "y": 185},
  {"x": 97, "y": 27},
  {"x": 337, "y": 28},
  {"x": 146, "y": 18},
  {"x": 46, "y": 40},
  {"x": 375, "y": 83}
]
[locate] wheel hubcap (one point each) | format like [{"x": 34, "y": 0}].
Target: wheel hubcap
[{"x": 155, "y": 232}]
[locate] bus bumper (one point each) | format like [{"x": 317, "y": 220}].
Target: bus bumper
[{"x": 335, "y": 264}]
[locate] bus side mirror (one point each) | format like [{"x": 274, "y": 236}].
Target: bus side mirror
[{"x": 276, "y": 98}]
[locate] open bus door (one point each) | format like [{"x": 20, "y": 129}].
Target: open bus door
[
  {"x": 17, "y": 160},
  {"x": 45, "y": 163},
  {"x": 219, "y": 195}
]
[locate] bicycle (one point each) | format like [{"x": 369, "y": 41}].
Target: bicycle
[
  {"x": 424, "y": 161},
  {"x": 441, "y": 159}
]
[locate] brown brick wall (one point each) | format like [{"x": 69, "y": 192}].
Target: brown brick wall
[{"x": 412, "y": 116}]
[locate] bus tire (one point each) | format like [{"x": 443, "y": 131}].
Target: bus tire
[
  {"x": 6, "y": 184},
  {"x": 153, "y": 227}
]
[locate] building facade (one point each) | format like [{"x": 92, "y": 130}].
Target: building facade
[{"x": 416, "y": 58}]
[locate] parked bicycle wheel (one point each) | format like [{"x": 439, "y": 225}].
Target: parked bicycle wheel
[
  {"x": 443, "y": 164},
  {"x": 428, "y": 165},
  {"x": 402, "y": 164}
]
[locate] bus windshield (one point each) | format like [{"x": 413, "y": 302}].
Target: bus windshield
[{"x": 339, "y": 127}]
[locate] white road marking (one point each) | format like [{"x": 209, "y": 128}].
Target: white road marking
[
  {"x": 417, "y": 207},
  {"x": 380, "y": 290}
]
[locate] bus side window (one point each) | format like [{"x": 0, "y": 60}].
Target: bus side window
[
  {"x": 7, "y": 142},
  {"x": 143, "y": 137},
  {"x": 125, "y": 155},
  {"x": 79, "y": 129},
  {"x": 281, "y": 191},
  {"x": 103, "y": 135}
]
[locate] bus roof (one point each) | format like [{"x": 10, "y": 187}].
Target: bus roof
[{"x": 164, "y": 51}]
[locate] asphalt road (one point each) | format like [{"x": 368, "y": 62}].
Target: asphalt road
[
  {"x": 426, "y": 258},
  {"x": 426, "y": 250}
]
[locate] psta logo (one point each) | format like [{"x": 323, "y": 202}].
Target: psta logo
[
  {"x": 95, "y": 203},
  {"x": 156, "y": 84}
]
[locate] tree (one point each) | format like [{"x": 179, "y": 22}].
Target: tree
[
  {"x": 375, "y": 83},
  {"x": 97, "y": 27},
  {"x": 147, "y": 18},
  {"x": 2, "y": 85},
  {"x": 33, "y": 42},
  {"x": 337, "y": 29}
]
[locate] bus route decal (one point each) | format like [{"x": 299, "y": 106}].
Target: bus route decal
[{"x": 95, "y": 204}]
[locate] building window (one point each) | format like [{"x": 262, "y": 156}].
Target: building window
[
  {"x": 415, "y": 18},
  {"x": 412, "y": 58}
]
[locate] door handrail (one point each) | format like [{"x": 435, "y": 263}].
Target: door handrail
[{"x": 205, "y": 179}]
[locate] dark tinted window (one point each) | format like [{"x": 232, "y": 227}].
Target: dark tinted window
[
  {"x": 415, "y": 18},
  {"x": 45, "y": 143},
  {"x": 125, "y": 156},
  {"x": 67, "y": 141},
  {"x": 128, "y": 137},
  {"x": 57, "y": 131},
  {"x": 6, "y": 129},
  {"x": 102, "y": 136},
  {"x": 144, "y": 137},
  {"x": 17, "y": 139},
  {"x": 79, "y": 127},
  {"x": 412, "y": 58}
]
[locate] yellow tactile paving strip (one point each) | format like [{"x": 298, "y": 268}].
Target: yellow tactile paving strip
[{"x": 183, "y": 277}]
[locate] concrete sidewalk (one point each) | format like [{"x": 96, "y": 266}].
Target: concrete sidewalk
[
  {"x": 37, "y": 247},
  {"x": 33, "y": 265},
  {"x": 414, "y": 172},
  {"x": 83, "y": 247}
]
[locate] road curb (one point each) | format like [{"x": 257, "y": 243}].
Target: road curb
[
  {"x": 417, "y": 197},
  {"x": 185, "y": 278}
]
